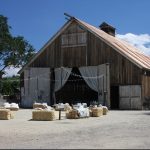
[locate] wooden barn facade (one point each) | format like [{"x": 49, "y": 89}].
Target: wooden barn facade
[{"x": 82, "y": 63}]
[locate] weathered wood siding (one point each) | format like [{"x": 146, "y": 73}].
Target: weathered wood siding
[
  {"x": 93, "y": 53},
  {"x": 36, "y": 86},
  {"x": 146, "y": 91},
  {"x": 57, "y": 55},
  {"x": 122, "y": 71},
  {"x": 130, "y": 97},
  {"x": 51, "y": 57},
  {"x": 146, "y": 85}
]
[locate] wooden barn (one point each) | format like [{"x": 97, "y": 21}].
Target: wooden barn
[{"x": 83, "y": 63}]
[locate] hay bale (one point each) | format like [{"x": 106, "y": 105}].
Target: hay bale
[
  {"x": 105, "y": 110},
  {"x": 43, "y": 115},
  {"x": 72, "y": 114},
  {"x": 5, "y": 114},
  {"x": 97, "y": 111},
  {"x": 67, "y": 115},
  {"x": 39, "y": 105},
  {"x": 67, "y": 107}
]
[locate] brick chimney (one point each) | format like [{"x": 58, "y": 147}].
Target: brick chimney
[{"x": 107, "y": 28}]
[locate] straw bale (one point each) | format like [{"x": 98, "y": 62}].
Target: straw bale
[
  {"x": 72, "y": 114},
  {"x": 97, "y": 111},
  {"x": 105, "y": 110},
  {"x": 68, "y": 115},
  {"x": 43, "y": 115},
  {"x": 5, "y": 114}
]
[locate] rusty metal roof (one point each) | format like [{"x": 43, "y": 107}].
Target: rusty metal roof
[{"x": 128, "y": 51}]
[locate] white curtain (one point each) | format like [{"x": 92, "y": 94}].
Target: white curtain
[
  {"x": 91, "y": 76},
  {"x": 87, "y": 72},
  {"x": 61, "y": 76}
]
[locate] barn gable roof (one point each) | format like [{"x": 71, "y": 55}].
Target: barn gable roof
[{"x": 125, "y": 49}]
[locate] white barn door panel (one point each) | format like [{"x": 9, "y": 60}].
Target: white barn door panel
[{"x": 36, "y": 86}]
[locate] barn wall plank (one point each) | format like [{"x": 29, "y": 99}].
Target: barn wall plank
[{"x": 122, "y": 71}]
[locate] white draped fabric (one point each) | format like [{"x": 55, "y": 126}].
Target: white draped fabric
[
  {"x": 90, "y": 71},
  {"x": 61, "y": 76},
  {"x": 91, "y": 77}
]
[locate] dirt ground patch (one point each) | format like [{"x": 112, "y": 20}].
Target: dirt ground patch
[{"x": 118, "y": 129}]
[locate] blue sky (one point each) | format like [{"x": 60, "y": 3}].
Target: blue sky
[{"x": 38, "y": 20}]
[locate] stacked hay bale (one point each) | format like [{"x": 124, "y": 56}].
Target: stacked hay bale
[
  {"x": 72, "y": 114},
  {"x": 96, "y": 112},
  {"x": 6, "y": 114},
  {"x": 43, "y": 115}
]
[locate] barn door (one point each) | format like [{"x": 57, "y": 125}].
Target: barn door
[
  {"x": 130, "y": 97},
  {"x": 36, "y": 86},
  {"x": 104, "y": 85}
]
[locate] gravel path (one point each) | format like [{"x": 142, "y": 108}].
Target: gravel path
[{"x": 118, "y": 129}]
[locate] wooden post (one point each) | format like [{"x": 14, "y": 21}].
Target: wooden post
[
  {"x": 61, "y": 82},
  {"x": 59, "y": 114},
  {"x": 52, "y": 87},
  {"x": 37, "y": 89},
  {"x": 29, "y": 81},
  {"x": 98, "y": 84}
]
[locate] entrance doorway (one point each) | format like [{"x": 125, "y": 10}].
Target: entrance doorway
[
  {"x": 76, "y": 90},
  {"x": 114, "y": 94}
]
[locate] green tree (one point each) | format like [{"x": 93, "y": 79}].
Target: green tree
[
  {"x": 9, "y": 85},
  {"x": 14, "y": 51}
]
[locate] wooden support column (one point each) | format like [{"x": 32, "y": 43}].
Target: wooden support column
[{"x": 52, "y": 87}]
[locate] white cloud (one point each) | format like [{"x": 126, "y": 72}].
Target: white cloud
[
  {"x": 142, "y": 41},
  {"x": 10, "y": 71}
]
